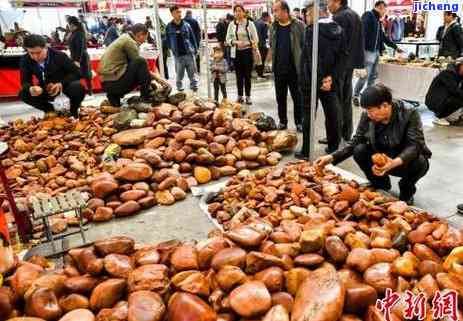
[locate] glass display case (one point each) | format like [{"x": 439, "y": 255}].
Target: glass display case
[{"x": 422, "y": 49}]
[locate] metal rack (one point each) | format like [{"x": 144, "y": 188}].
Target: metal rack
[{"x": 71, "y": 201}]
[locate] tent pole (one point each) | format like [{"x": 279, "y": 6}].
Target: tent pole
[
  {"x": 314, "y": 82},
  {"x": 206, "y": 51},
  {"x": 159, "y": 39}
]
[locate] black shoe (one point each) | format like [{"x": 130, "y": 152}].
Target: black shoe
[
  {"x": 282, "y": 126},
  {"x": 240, "y": 100},
  {"x": 330, "y": 150},
  {"x": 356, "y": 101},
  {"x": 301, "y": 156},
  {"x": 410, "y": 201},
  {"x": 115, "y": 102},
  {"x": 248, "y": 101},
  {"x": 460, "y": 208},
  {"x": 299, "y": 128},
  {"x": 323, "y": 141}
]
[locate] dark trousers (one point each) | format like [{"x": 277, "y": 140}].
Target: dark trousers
[
  {"x": 263, "y": 53},
  {"x": 218, "y": 85},
  {"x": 344, "y": 86},
  {"x": 226, "y": 51},
  {"x": 165, "y": 54},
  {"x": 410, "y": 173},
  {"x": 137, "y": 74},
  {"x": 243, "y": 68},
  {"x": 332, "y": 110},
  {"x": 198, "y": 63},
  {"x": 86, "y": 71},
  {"x": 282, "y": 83},
  {"x": 74, "y": 91},
  {"x": 450, "y": 105}
]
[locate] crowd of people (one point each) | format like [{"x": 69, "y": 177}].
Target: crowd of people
[{"x": 348, "y": 45}]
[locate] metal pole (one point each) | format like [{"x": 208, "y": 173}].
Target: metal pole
[
  {"x": 159, "y": 39},
  {"x": 314, "y": 83},
  {"x": 206, "y": 51}
]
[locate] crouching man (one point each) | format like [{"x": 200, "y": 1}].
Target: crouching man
[
  {"x": 387, "y": 127},
  {"x": 55, "y": 73},
  {"x": 122, "y": 69},
  {"x": 445, "y": 95}
]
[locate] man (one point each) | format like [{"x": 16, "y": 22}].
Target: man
[
  {"x": 197, "y": 32},
  {"x": 375, "y": 39},
  {"x": 450, "y": 36},
  {"x": 286, "y": 35},
  {"x": 355, "y": 59},
  {"x": 297, "y": 14},
  {"x": 221, "y": 31},
  {"x": 330, "y": 56},
  {"x": 387, "y": 127},
  {"x": 262, "y": 31},
  {"x": 182, "y": 42},
  {"x": 112, "y": 32},
  {"x": 445, "y": 95},
  {"x": 122, "y": 69},
  {"x": 55, "y": 72}
]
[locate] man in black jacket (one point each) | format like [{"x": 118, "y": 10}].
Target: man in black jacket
[
  {"x": 387, "y": 127},
  {"x": 197, "y": 32},
  {"x": 450, "y": 36},
  {"x": 262, "y": 31},
  {"x": 375, "y": 39},
  {"x": 55, "y": 73},
  {"x": 353, "y": 44},
  {"x": 445, "y": 95},
  {"x": 330, "y": 55},
  {"x": 286, "y": 35}
]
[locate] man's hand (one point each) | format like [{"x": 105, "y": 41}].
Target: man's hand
[
  {"x": 35, "y": 91},
  {"x": 390, "y": 165},
  {"x": 77, "y": 63},
  {"x": 327, "y": 82},
  {"x": 54, "y": 88},
  {"x": 324, "y": 160}
]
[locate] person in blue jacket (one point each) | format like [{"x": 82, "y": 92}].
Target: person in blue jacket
[
  {"x": 182, "y": 42},
  {"x": 375, "y": 39}
]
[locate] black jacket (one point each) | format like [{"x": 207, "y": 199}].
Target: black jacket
[
  {"x": 330, "y": 53},
  {"x": 404, "y": 136},
  {"x": 373, "y": 32},
  {"x": 78, "y": 46},
  {"x": 451, "y": 43},
  {"x": 196, "y": 29},
  {"x": 221, "y": 31},
  {"x": 447, "y": 84},
  {"x": 350, "y": 22},
  {"x": 262, "y": 32},
  {"x": 58, "y": 68}
]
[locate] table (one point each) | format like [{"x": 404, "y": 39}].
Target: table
[
  {"x": 407, "y": 82},
  {"x": 10, "y": 79}
]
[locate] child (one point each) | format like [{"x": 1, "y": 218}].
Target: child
[{"x": 219, "y": 70}]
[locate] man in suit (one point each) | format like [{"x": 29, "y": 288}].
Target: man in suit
[{"x": 55, "y": 72}]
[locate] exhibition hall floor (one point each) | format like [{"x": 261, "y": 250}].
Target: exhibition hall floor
[{"x": 439, "y": 192}]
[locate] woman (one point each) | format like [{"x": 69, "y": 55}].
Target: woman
[
  {"x": 243, "y": 39},
  {"x": 78, "y": 47}
]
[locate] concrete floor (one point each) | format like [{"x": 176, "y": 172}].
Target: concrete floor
[{"x": 439, "y": 192}]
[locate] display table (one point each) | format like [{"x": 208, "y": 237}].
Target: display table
[
  {"x": 407, "y": 82},
  {"x": 10, "y": 76}
]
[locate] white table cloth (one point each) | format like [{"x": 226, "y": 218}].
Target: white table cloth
[{"x": 407, "y": 82}]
